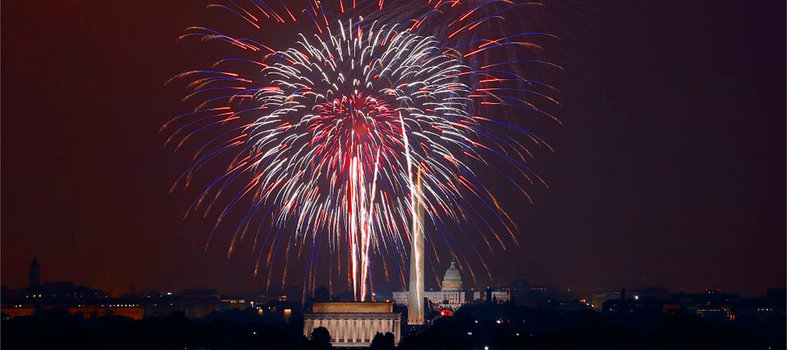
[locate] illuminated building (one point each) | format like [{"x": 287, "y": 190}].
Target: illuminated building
[
  {"x": 17, "y": 310},
  {"x": 450, "y": 296},
  {"x": 452, "y": 280},
  {"x": 62, "y": 292},
  {"x": 650, "y": 294},
  {"x": 132, "y": 311},
  {"x": 498, "y": 296},
  {"x": 353, "y": 324}
]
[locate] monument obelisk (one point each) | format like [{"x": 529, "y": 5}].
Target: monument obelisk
[{"x": 415, "y": 297}]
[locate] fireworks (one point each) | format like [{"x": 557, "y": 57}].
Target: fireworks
[{"x": 322, "y": 138}]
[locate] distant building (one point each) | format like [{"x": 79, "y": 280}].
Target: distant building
[
  {"x": 75, "y": 299},
  {"x": 493, "y": 295},
  {"x": 353, "y": 324},
  {"x": 598, "y": 299},
  {"x": 450, "y": 296},
  {"x": 132, "y": 311},
  {"x": 712, "y": 304},
  {"x": 60, "y": 292},
  {"x": 659, "y": 294},
  {"x": 233, "y": 303},
  {"x": 17, "y": 310},
  {"x": 452, "y": 280},
  {"x": 760, "y": 308},
  {"x": 630, "y": 305},
  {"x": 522, "y": 292},
  {"x": 89, "y": 302},
  {"x": 520, "y": 289}
]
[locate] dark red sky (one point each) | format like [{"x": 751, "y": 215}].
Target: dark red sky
[{"x": 670, "y": 169}]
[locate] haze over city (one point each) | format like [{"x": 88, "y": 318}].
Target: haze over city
[{"x": 656, "y": 127}]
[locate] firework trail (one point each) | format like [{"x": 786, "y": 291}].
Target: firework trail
[{"x": 322, "y": 132}]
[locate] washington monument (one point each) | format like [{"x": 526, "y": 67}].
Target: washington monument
[{"x": 415, "y": 298}]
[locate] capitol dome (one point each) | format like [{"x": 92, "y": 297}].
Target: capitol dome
[{"x": 452, "y": 281}]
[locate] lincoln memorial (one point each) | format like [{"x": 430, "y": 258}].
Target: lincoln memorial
[{"x": 353, "y": 324}]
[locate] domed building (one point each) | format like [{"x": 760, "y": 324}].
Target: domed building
[
  {"x": 452, "y": 281},
  {"x": 450, "y": 296}
]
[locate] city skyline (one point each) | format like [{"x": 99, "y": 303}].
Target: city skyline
[{"x": 389, "y": 293}]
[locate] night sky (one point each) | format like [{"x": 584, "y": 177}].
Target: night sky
[{"x": 669, "y": 169}]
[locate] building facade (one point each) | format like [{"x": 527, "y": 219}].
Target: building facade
[
  {"x": 450, "y": 296},
  {"x": 498, "y": 295},
  {"x": 353, "y": 324}
]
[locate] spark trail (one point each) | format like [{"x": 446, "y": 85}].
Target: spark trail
[{"x": 322, "y": 139}]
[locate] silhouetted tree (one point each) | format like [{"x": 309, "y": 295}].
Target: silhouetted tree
[
  {"x": 500, "y": 327},
  {"x": 321, "y": 339},
  {"x": 383, "y": 342}
]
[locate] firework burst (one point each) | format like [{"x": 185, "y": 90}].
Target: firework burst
[{"x": 323, "y": 138}]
